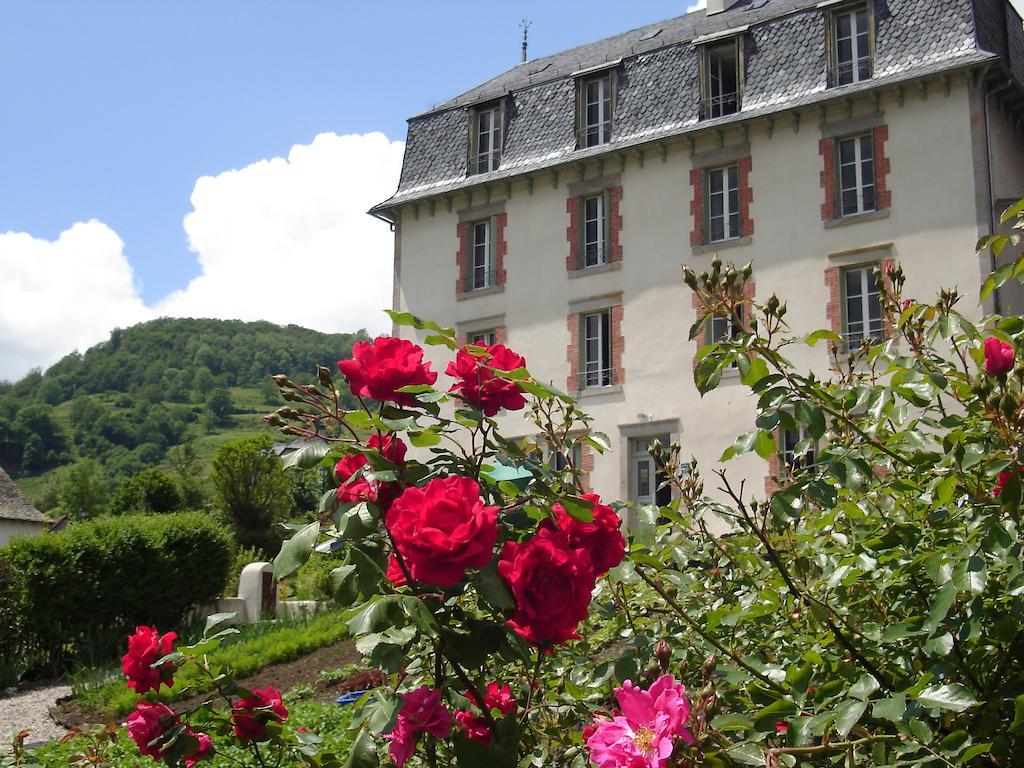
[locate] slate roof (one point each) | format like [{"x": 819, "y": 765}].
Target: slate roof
[
  {"x": 658, "y": 89},
  {"x": 14, "y": 505}
]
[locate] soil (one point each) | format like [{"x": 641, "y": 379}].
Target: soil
[{"x": 304, "y": 670}]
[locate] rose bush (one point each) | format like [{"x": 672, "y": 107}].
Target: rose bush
[{"x": 866, "y": 609}]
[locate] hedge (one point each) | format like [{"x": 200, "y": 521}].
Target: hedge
[{"x": 89, "y": 586}]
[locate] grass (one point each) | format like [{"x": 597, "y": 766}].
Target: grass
[
  {"x": 246, "y": 653},
  {"x": 329, "y": 721}
]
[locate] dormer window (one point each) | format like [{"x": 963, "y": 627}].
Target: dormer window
[
  {"x": 485, "y": 140},
  {"x": 850, "y": 31},
  {"x": 596, "y": 101},
  {"x": 721, "y": 79}
]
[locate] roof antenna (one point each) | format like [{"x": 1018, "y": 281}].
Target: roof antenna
[{"x": 525, "y": 26}]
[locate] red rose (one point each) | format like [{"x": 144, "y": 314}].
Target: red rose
[
  {"x": 251, "y": 714},
  {"x": 551, "y": 583},
  {"x": 999, "y": 357},
  {"x": 356, "y": 488},
  {"x": 205, "y": 748},
  {"x": 499, "y": 697},
  {"x": 394, "y": 572},
  {"x": 147, "y": 725},
  {"x": 145, "y": 648},
  {"x": 600, "y": 538},
  {"x": 1004, "y": 477},
  {"x": 422, "y": 711},
  {"x": 479, "y": 379},
  {"x": 782, "y": 727},
  {"x": 377, "y": 370},
  {"x": 474, "y": 726},
  {"x": 442, "y": 529}
]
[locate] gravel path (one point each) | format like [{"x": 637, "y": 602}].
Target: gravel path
[{"x": 31, "y": 709}]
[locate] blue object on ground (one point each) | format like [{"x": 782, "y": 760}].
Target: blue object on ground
[{"x": 350, "y": 698}]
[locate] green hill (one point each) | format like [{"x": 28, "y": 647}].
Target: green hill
[{"x": 157, "y": 394}]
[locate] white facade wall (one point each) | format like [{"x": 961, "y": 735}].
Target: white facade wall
[
  {"x": 931, "y": 228},
  {"x": 19, "y": 529}
]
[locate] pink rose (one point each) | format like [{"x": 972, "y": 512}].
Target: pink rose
[
  {"x": 422, "y": 711},
  {"x": 999, "y": 357},
  {"x": 355, "y": 487},
  {"x": 145, "y": 648},
  {"x": 378, "y": 370},
  {"x": 204, "y": 750}
]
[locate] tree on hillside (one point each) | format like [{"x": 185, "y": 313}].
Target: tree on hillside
[
  {"x": 190, "y": 481},
  {"x": 83, "y": 490},
  {"x": 219, "y": 407},
  {"x": 151, "y": 491},
  {"x": 252, "y": 488}
]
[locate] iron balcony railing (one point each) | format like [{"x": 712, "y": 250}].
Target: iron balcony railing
[
  {"x": 596, "y": 377},
  {"x": 719, "y": 106},
  {"x": 480, "y": 279},
  {"x": 844, "y": 73}
]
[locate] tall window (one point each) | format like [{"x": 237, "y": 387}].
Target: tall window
[
  {"x": 797, "y": 449},
  {"x": 596, "y": 368},
  {"x": 862, "y": 306},
  {"x": 486, "y": 155},
  {"x": 596, "y": 111},
  {"x": 723, "y": 204},
  {"x": 486, "y": 338},
  {"x": 646, "y": 477},
  {"x": 595, "y": 230},
  {"x": 721, "y": 86},
  {"x": 725, "y": 328},
  {"x": 851, "y": 46},
  {"x": 856, "y": 164},
  {"x": 481, "y": 269}
]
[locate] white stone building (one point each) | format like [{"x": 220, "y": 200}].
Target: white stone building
[
  {"x": 553, "y": 206},
  {"x": 18, "y": 517}
]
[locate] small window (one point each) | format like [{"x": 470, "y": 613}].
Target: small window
[
  {"x": 720, "y": 86},
  {"x": 862, "y": 306},
  {"x": 851, "y": 46},
  {"x": 855, "y": 163},
  {"x": 486, "y": 338},
  {"x": 595, "y": 111},
  {"x": 798, "y": 450},
  {"x": 481, "y": 267},
  {"x": 596, "y": 351},
  {"x": 647, "y": 478},
  {"x": 485, "y": 149},
  {"x": 594, "y": 233},
  {"x": 723, "y": 203}
]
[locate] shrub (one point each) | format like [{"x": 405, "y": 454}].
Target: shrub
[
  {"x": 89, "y": 586},
  {"x": 151, "y": 490},
  {"x": 13, "y": 657}
]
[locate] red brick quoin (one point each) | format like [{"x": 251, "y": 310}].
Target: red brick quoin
[
  {"x": 883, "y": 197},
  {"x": 743, "y": 168},
  {"x": 572, "y": 351},
  {"x": 572, "y": 232},
  {"x": 462, "y": 230}
]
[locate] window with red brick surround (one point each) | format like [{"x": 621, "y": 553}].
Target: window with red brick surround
[
  {"x": 613, "y": 221},
  {"x": 586, "y": 466},
  {"x": 464, "y": 230},
  {"x": 827, "y": 150},
  {"x": 834, "y": 308},
  {"x": 698, "y": 180},
  {"x": 500, "y": 335},
  {"x": 574, "y": 350}
]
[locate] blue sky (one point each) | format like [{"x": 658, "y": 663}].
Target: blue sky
[{"x": 115, "y": 109}]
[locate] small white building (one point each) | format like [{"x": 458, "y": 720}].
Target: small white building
[{"x": 17, "y": 515}]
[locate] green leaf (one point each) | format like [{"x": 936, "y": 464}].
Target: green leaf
[
  {"x": 811, "y": 416},
  {"x": 305, "y": 457},
  {"x": 847, "y": 715},
  {"x": 953, "y": 697},
  {"x": 823, "y": 335},
  {"x": 940, "y": 606},
  {"x": 492, "y": 588},
  {"x": 891, "y": 709},
  {"x": 733, "y": 722},
  {"x": 377, "y": 615},
  {"x": 296, "y": 551},
  {"x": 864, "y": 687},
  {"x": 780, "y": 709},
  {"x": 424, "y": 439},
  {"x": 600, "y": 441},
  {"x": 421, "y": 616},
  {"x": 579, "y": 509},
  {"x": 1018, "y": 715},
  {"x": 758, "y": 370},
  {"x": 217, "y": 619},
  {"x": 1012, "y": 212},
  {"x": 765, "y": 445},
  {"x": 975, "y": 751},
  {"x": 364, "y": 752}
]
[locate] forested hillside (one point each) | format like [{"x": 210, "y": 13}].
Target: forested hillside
[{"x": 170, "y": 390}]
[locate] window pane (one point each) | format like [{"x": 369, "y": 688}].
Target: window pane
[
  {"x": 643, "y": 478},
  {"x": 853, "y": 282},
  {"x": 846, "y": 151},
  {"x": 866, "y": 148}
]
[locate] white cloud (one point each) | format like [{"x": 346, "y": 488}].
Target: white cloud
[
  {"x": 286, "y": 240},
  {"x": 58, "y": 296},
  {"x": 696, "y": 6}
]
